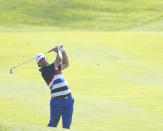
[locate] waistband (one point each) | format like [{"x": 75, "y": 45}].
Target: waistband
[{"x": 62, "y": 97}]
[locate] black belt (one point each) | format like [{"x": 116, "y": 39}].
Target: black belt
[{"x": 62, "y": 97}]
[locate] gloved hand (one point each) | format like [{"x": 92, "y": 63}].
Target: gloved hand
[{"x": 61, "y": 48}]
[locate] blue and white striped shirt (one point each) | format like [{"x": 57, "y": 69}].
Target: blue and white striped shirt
[{"x": 55, "y": 80}]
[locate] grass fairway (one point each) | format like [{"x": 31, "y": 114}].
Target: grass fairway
[{"x": 115, "y": 77}]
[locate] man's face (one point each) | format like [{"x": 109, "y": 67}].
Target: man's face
[{"x": 43, "y": 62}]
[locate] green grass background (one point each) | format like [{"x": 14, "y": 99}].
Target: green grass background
[
  {"x": 115, "y": 77},
  {"x": 103, "y": 15}
]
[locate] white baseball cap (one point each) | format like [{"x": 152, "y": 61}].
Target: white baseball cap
[{"x": 38, "y": 57}]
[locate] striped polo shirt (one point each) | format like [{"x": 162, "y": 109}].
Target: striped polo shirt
[{"x": 55, "y": 80}]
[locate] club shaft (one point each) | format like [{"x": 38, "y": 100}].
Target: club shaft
[
  {"x": 23, "y": 63},
  {"x": 27, "y": 61}
]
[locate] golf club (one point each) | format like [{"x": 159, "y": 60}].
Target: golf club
[{"x": 14, "y": 67}]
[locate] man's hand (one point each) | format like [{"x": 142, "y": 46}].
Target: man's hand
[{"x": 61, "y": 48}]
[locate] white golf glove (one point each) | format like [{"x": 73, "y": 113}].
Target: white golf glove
[{"x": 61, "y": 48}]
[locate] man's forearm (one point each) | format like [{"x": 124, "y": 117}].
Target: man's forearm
[
  {"x": 59, "y": 56},
  {"x": 65, "y": 58},
  {"x": 65, "y": 61},
  {"x": 58, "y": 59}
]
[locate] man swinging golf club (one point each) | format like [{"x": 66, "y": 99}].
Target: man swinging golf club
[{"x": 61, "y": 103}]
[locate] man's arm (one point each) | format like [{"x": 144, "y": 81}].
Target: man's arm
[
  {"x": 59, "y": 57},
  {"x": 65, "y": 61}
]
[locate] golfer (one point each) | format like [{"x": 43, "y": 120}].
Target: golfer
[{"x": 61, "y": 103}]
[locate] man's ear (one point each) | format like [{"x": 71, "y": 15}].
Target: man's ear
[
  {"x": 46, "y": 59},
  {"x": 38, "y": 65}
]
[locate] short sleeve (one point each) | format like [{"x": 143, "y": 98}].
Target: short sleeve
[{"x": 47, "y": 72}]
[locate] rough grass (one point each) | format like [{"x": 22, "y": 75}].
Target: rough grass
[{"x": 106, "y": 15}]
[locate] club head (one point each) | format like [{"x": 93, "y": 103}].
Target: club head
[{"x": 11, "y": 71}]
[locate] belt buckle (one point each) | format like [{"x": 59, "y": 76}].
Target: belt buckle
[{"x": 66, "y": 97}]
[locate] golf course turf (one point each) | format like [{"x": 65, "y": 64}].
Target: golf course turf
[
  {"x": 116, "y": 79},
  {"x": 115, "y": 55}
]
